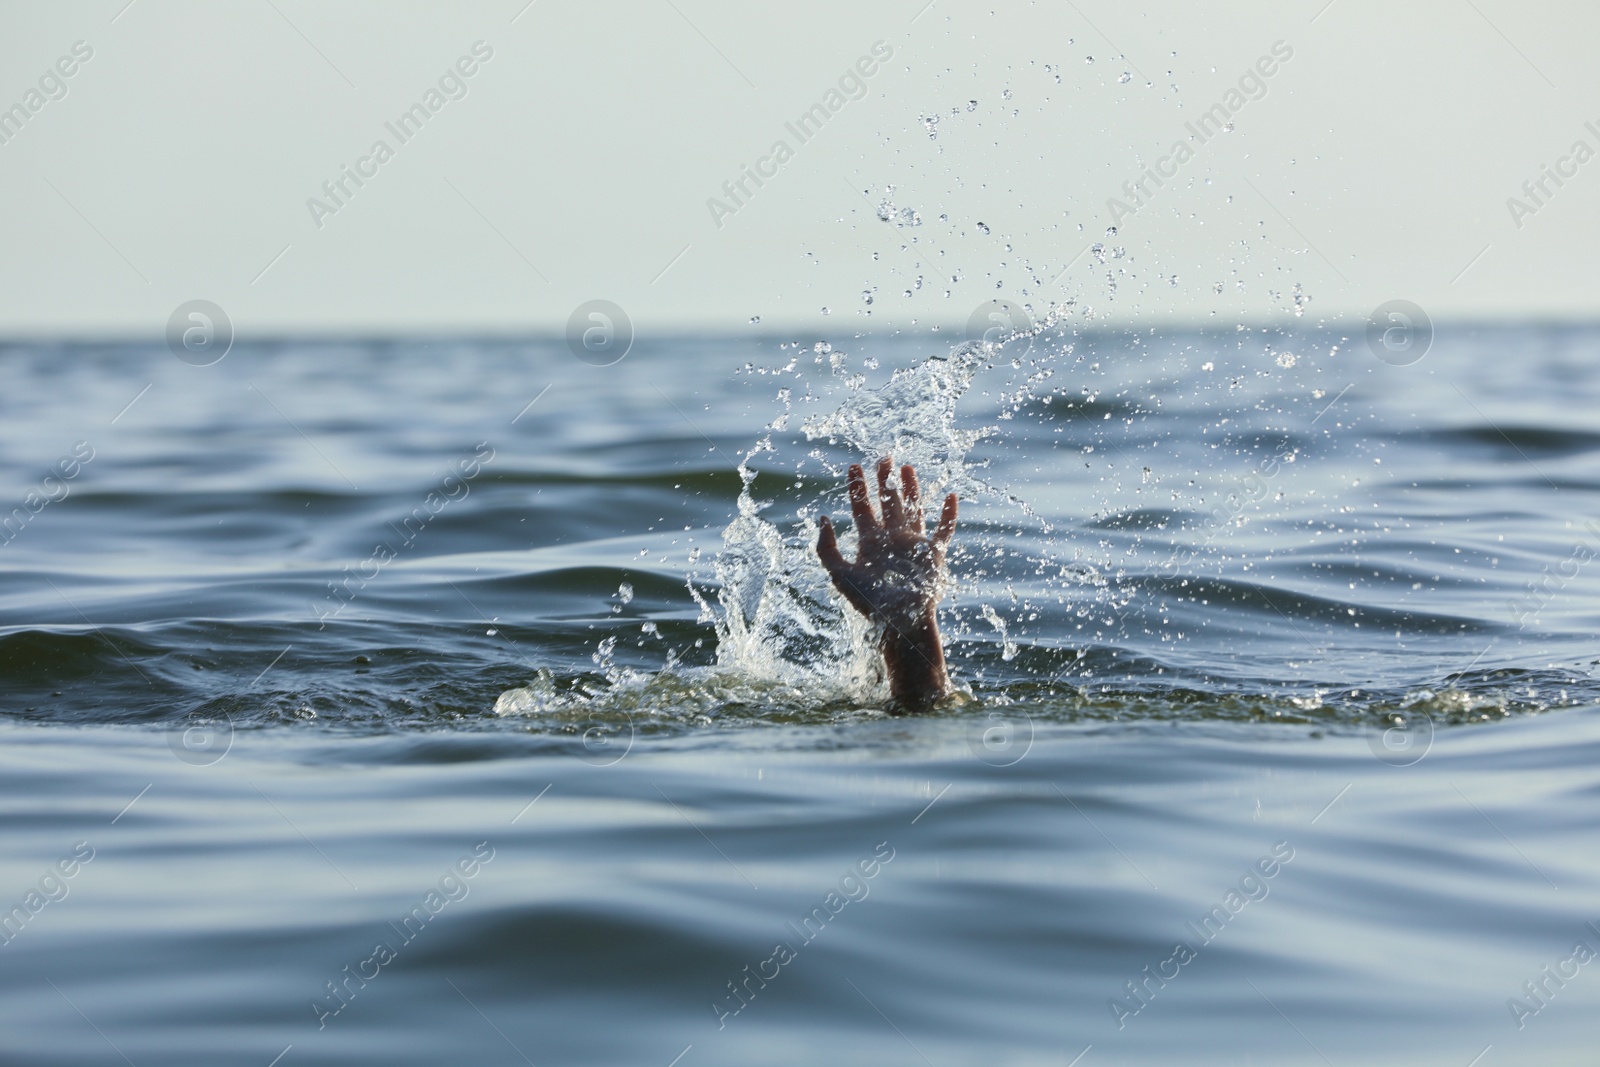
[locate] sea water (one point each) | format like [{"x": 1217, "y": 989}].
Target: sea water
[{"x": 459, "y": 702}]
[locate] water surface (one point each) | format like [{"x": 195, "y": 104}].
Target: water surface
[{"x": 1226, "y": 602}]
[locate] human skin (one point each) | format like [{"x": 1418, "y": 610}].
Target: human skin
[{"x": 897, "y": 580}]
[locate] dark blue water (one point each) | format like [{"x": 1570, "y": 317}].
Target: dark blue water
[{"x": 1280, "y": 657}]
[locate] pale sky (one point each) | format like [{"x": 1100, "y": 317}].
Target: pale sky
[{"x": 577, "y": 159}]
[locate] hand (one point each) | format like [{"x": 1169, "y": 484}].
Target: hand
[
  {"x": 897, "y": 579},
  {"x": 899, "y": 571}
]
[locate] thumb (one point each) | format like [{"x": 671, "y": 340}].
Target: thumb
[{"x": 828, "y": 546}]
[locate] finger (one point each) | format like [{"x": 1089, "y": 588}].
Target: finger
[
  {"x": 828, "y": 547},
  {"x": 908, "y": 482},
  {"x": 889, "y": 496},
  {"x": 861, "y": 503},
  {"x": 913, "y": 492},
  {"x": 842, "y": 574},
  {"x": 947, "y": 525}
]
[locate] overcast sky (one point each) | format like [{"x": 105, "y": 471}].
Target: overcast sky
[{"x": 186, "y": 158}]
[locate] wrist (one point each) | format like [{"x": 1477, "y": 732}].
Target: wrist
[{"x": 913, "y": 657}]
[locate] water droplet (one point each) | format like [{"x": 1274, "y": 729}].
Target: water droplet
[
  {"x": 909, "y": 217},
  {"x": 866, "y": 296},
  {"x": 1005, "y": 94},
  {"x": 983, "y": 227},
  {"x": 755, "y": 320},
  {"x": 1125, "y": 77},
  {"x": 827, "y": 311},
  {"x": 972, "y": 105},
  {"x": 1088, "y": 59},
  {"x": 1300, "y": 300},
  {"x": 625, "y": 593}
]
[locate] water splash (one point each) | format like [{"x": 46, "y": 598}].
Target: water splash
[
  {"x": 1008, "y": 646},
  {"x": 780, "y": 620},
  {"x": 784, "y": 639},
  {"x": 913, "y": 418}
]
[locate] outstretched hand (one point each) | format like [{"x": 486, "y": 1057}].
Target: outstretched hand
[
  {"x": 897, "y": 578},
  {"x": 899, "y": 570}
]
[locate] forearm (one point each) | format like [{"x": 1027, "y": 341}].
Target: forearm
[{"x": 913, "y": 657}]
